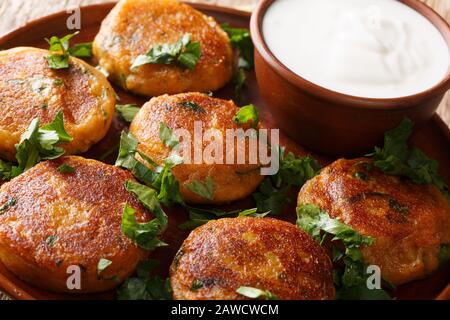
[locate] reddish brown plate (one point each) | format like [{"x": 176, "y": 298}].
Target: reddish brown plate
[{"x": 434, "y": 139}]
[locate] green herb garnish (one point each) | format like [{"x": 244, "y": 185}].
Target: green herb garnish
[
  {"x": 204, "y": 189},
  {"x": 396, "y": 158},
  {"x": 102, "y": 265},
  {"x": 65, "y": 168},
  {"x": 184, "y": 52},
  {"x": 166, "y": 136},
  {"x": 351, "y": 282},
  {"x": 247, "y": 114},
  {"x": 196, "y": 284},
  {"x": 127, "y": 111},
  {"x": 145, "y": 286},
  {"x": 255, "y": 293},
  {"x": 51, "y": 240},
  {"x": 11, "y": 202},
  {"x": 240, "y": 39},
  {"x": 273, "y": 193},
  {"x": 239, "y": 82},
  {"x": 60, "y": 51},
  {"x": 192, "y": 105}
]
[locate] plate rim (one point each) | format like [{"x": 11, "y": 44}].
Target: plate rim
[{"x": 20, "y": 294}]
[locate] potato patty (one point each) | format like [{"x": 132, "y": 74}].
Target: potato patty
[
  {"x": 408, "y": 222},
  {"x": 230, "y": 181},
  {"x": 52, "y": 220},
  {"x": 223, "y": 255},
  {"x": 30, "y": 89},
  {"x": 133, "y": 27}
]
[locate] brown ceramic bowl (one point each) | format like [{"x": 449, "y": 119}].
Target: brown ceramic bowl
[{"x": 329, "y": 122}]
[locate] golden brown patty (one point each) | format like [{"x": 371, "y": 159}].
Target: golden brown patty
[
  {"x": 408, "y": 222},
  {"x": 133, "y": 27},
  {"x": 63, "y": 219},
  {"x": 30, "y": 89},
  {"x": 263, "y": 253},
  {"x": 231, "y": 182}
]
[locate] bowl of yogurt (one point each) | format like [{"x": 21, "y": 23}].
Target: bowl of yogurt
[{"x": 337, "y": 74}]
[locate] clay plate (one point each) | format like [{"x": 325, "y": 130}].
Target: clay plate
[{"x": 434, "y": 139}]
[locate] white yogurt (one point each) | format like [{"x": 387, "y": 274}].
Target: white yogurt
[{"x": 365, "y": 48}]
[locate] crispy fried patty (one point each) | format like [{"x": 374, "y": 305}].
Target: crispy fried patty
[
  {"x": 223, "y": 255},
  {"x": 182, "y": 111},
  {"x": 30, "y": 89},
  {"x": 54, "y": 220},
  {"x": 409, "y": 222},
  {"x": 133, "y": 27}
]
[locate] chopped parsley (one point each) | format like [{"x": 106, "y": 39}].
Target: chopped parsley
[
  {"x": 167, "y": 137},
  {"x": 273, "y": 193},
  {"x": 4, "y": 207},
  {"x": 196, "y": 284},
  {"x": 37, "y": 144},
  {"x": 127, "y": 111},
  {"x": 102, "y": 265},
  {"x": 240, "y": 39},
  {"x": 255, "y": 293},
  {"x": 192, "y": 105},
  {"x": 351, "y": 282},
  {"x": 184, "y": 52},
  {"x": 65, "y": 168},
  {"x": 396, "y": 158},
  {"x": 145, "y": 286},
  {"x": 204, "y": 189},
  {"x": 145, "y": 235},
  {"x": 60, "y": 51},
  {"x": 51, "y": 240},
  {"x": 247, "y": 114}
]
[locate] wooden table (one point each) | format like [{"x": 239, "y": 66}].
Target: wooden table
[{"x": 14, "y": 13}]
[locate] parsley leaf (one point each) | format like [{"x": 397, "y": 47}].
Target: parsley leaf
[
  {"x": 272, "y": 194},
  {"x": 65, "y": 168},
  {"x": 167, "y": 137},
  {"x": 255, "y": 293},
  {"x": 396, "y": 158},
  {"x": 192, "y": 105},
  {"x": 204, "y": 189},
  {"x": 8, "y": 204},
  {"x": 127, "y": 111},
  {"x": 351, "y": 282},
  {"x": 60, "y": 51},
  {"x": 145, "y": 235},
  {"x": 102, "y": 265},
  {"x": 145, "y": 286},
  {"x": 5, "y": 170},
  {"x": 238, "y": 82},
  {"x": 184, "y": 52},
  {"x": 38, "y": 144},
  {"x": 241, "y": 40},
  {"x": 247, "y": 114}
]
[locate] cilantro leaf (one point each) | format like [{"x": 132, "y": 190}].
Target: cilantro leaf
[
  {"x": 192, "y": 105},
  {"x": 145, "y": 235},
  {"x": 145, "y": 286},
  {"x": 167, "y": 137},
  {"x": 255, "y": 293},
  {"x": 247, "y": 114},
  {"x": 127, "y": 111},
  {"x": 240, "y": 39},
  {"x": 396, "y": 158},
  {"x": 5, "y": 170},
  {"x": 184, "y": 52},
  {"x": 204, "y": 189},
  {"x": 81, "y": 50}
]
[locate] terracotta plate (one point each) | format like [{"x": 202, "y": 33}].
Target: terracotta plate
[{"x": 434, "y": 139}]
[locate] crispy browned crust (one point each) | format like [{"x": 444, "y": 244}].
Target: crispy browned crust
[
  {"x": 83, "y": 210},
  {"x": 28, "y": 90},
  {"x": 232, "y": 182},
  {"x": 133, "y": 27},
  {"x": 406, "y": 243},
  {"x": 264, "y": 253}
]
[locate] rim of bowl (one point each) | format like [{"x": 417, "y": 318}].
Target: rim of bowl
[{"x": 395, "y": 103}]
